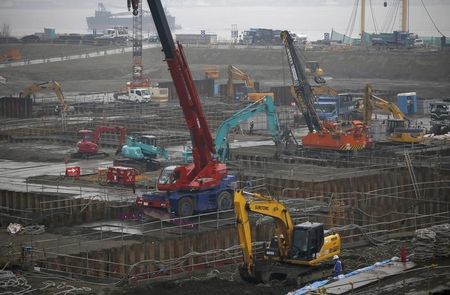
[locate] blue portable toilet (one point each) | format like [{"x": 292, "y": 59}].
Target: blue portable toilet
[
  {"x": 216, "y": 90},
  {"x": 407, "y": 102}
]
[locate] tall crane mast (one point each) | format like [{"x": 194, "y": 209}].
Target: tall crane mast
[
  {"x": 137, "y": 45},
  {"x": 202, "y": 142},
  {"x": 139, "y": 80},
  {"x": 304, "y": 97},
  {"x": 203, "y": 185}
]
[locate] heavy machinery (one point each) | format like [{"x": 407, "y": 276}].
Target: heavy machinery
[
  {"x": 211, "y": 73},
  {"x": 50, "y": 85},
  {"x": 203, "y": 185},
  {"x": 313, "y": 69},
  {"x": 88, "y": 146},
  {"x": 140, "y": 152},
  {"x": 440, "y": 119},
  {"x": 396, "y": 39},
  {"x": 301, "y": 252},
  {"x": 264, "y": 105},
  {"x": 251, "y": 94},
  {"x": 342, "y": 107},
  {"x": 322, "y": 135},
  {"x": 397, "y": 129}
]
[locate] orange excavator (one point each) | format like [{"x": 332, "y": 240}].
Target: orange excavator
[
  {"x": 321, "y": 135},
  {"x": 88, "y": 146}
]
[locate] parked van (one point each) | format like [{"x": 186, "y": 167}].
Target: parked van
[{"x": 418, "y": 43}]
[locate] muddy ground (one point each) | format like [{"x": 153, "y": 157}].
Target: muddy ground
[
  {"x": 227, "y": 281},
  {"x": 424, "y": 71}
]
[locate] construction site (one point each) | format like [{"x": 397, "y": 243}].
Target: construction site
[{"x": 224, "y": 169}]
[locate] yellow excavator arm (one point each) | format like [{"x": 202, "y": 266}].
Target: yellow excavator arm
[
  {"x": 266, "y": 206},
  {"x": 236, "y": 74},
  {"x": 372, "y": 101},
  {"x": 399, "y": 131},
  {"x": 51, "y": 85}
]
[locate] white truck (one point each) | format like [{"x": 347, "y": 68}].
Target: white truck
[{"x": 137, "y": 95}]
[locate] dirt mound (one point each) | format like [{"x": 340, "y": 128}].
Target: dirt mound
[{"x": 110, "y": 73}]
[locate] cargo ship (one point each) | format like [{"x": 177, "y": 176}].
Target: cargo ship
[{"x": 104, "y": 19}]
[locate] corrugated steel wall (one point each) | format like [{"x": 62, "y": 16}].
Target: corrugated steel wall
[
  {"x": 283, "y": 95},
  {"x": 205, "y": 88},
  {"x": 14, "y": 107}
]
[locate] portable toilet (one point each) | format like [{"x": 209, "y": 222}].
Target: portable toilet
[{"x": 407, "y": 102}]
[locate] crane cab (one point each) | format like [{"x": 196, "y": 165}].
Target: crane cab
[
  {"x": 307, "y": 240},
  {"x": 167, "y": 176},
  {"x": 149, "y": 140},
  {"x": 86, "y": 144}
]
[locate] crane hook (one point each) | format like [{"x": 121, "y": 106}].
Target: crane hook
[{"x": 135, "y": 5}]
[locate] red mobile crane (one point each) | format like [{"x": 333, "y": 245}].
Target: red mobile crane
[
  {"x": 203, "y": 185},
  {"x": 322, "y": 135}
]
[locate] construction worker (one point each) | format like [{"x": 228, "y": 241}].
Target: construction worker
[{"x": 337, "y": 266}]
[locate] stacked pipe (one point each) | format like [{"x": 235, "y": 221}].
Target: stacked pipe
[
  {"x": 430, "y": 243},
  {"x": 424, "y": 244},
  {"x": 442, "y": 239}
]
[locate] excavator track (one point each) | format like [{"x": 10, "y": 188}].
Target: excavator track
[
  {"x": 98, "y": 155},
  {"x": 267, "y": 271}
]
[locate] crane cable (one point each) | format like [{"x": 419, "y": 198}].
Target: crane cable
[
  {"x": 389, "y": 17},
  {"x": 375, "y": 25},
  {"x": 351, "y": 22},
  {"x": 395, "y": 16},
  {"x": 437, "y": 29}
]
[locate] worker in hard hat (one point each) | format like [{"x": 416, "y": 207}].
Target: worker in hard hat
[{"x": 337, "y": 266}]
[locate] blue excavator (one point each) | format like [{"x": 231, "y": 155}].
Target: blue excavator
[
  {"x": 263, "y": 105},
  {"x": 140, "y": 152}
]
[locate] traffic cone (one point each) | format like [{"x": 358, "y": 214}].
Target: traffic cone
[{"x": 403, "y": 253}]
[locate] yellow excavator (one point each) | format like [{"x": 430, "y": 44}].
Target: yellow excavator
[
  {"x": 397, "y": 129},
  {"x": 299, "y": 252},
  {"x": 236, "y": 74},
  {"x": 50, "y": 85}
]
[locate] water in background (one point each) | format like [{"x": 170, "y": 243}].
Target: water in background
[{"x": 312, "y": 21}]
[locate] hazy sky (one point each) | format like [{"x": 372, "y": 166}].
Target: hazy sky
[
  {"x": 121, "y": 3},
  {"x": 311, "y": 17}
]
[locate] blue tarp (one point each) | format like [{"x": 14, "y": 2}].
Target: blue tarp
[{"x": 318, "y": 284}]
